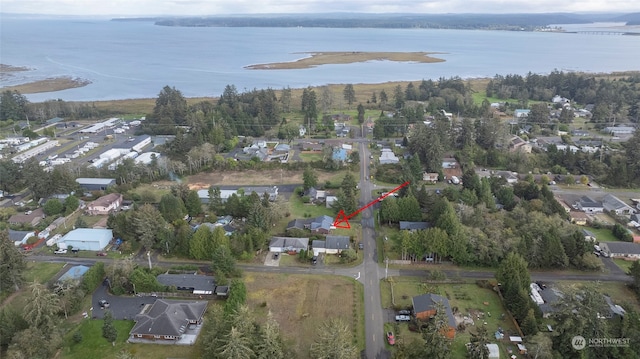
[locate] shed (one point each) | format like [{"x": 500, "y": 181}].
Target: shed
[
  {"x": 95, "y": 184},
  {"x": 88, "y": 239},
  {"x": 494, "y": 351},
  {"x": 74, "y": 273}
]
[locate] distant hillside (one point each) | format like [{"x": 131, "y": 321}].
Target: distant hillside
[
  {"x": 630, "y": 19},
  {"x": 448, "y": 21}
]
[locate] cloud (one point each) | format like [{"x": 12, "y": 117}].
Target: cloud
[{"x": 221, "y": 7}]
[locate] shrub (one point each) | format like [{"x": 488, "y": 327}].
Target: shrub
[{"x": 77, "y": 337}]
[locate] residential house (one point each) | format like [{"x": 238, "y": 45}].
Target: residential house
[
  {"x": 20, "y": 237},
  {"x": 388, "y": 157},
  {"x": 579, "y": 218},
  {"x": 413, "y": 226},
  {"x": 559, "y": 99},
  {"x": 288, "y": 244},
  {"x": 521, "y": 113},
  {"x": 589, "y": 236},
  {"x": 311, "y": 146},
  {"x": 588, "y": 205},
  {"x": 621, "y": 130},
  {"x": 563, "y": 204},
  {"x": 316, "y": 194},
  {"x": 430, "y": 177},
  {"x": 612, "y": 310},
  {"x": 105, "y": 204},
  {"x": 321, "y": 224},
  {"x": 96, "y": 184},
  {"x": 625, "y": 250},
  {"x": 318, "y": 246},
  {"x": 425, "y": 306},
  {"x": 449, "y": 163},
  {"x": 516, "y": 143},
  {"x": 342, "y": 130},
  {"x": 190, "y": 283},
  {"x": 613, "y": 204},
  {"x": 336, "y": 244},
  {"x": 166, "y": 320},
  {"x": 565, "y": 148},
  {"x": 30, "y": 217},
  {"x": 510, "y": 177},
  {"x": 580, "y": 133}
]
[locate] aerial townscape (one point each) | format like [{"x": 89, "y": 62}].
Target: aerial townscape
[{"x": 444, "y": 217}]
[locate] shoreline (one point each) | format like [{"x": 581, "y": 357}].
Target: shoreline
[
  {"x": 51, "y": 84},
  {"x": 341, "y": 58}
]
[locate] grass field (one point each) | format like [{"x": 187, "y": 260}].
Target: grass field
[
  {"x": 93, "y": 345},
  {"x": 602, "y": 234},
  {"x": 300, "y": 303},
  {"x": 311, "y": 156},
  {"x": 41, "y": 272},
  {"x": 624, "y": 265},
  {"x": 479, "y": 304},
  {"x": 300, "y": 209}
]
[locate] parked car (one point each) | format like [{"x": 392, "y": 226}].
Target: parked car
[
  {"x": 314, "y": 260},
  {"x": 390, "y": 338},
  {"x": 103, "y": 303},
  {"x": 361, "y": 245},
  {"x": 60, "y": 251},
  {"x": 276, "y": 255},
  {"x": 404, "y": 312},
  {"x": 403, "y": 318}
]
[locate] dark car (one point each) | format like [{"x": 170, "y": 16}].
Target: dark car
[
  {"x": 404, "y": 312},
  {"x": 361, "y": 245},
  {"x": 103, "y": 303},
  {"x": 276, "y": 255},
  {"x": 314, "y": 260}
]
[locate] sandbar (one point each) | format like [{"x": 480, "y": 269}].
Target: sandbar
[
  {"x": 326, "y": 58},
  {"x": 48, "y": 85}
]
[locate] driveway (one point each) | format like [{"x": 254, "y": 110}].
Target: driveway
[
  {"x": 270, "y": 262},
  {"x": 122, "y": 307}
]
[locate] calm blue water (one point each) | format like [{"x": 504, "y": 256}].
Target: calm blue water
[{"x": 136, "y": 59}]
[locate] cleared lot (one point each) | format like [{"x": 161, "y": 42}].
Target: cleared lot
[{"x": 300, "y": 303}]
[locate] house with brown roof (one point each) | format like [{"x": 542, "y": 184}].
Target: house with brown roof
[
  {"x": 518, "y": 144},
  {"x": 30, "y": 217},
  {"x": 579, "y": 218},
  {"x": 168, "y": 321},
  {"x": 105, "y": 204},
  {"x": 425, "y": 307}
]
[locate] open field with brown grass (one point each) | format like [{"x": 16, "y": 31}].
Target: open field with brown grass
[
  {"x": 48, "y": 85},
  {"x": 300, "y": 303},
  {"x": 256, "y": 178},
  {"x": 331, "y": 58}
]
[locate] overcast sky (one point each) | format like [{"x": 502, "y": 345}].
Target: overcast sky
[{"x": 222, "y": 7}]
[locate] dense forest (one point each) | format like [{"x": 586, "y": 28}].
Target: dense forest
[{"x": 517, "y": 22}]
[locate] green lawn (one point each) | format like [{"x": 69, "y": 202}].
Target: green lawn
[
  {"x": 624, "y": 265},
  {"x": 300, "y": 209},
  {"x": 311, "y": 157},
  {"x": 93, "y": 345},
  {"x": 602, "y": 234},
  {"x": 481, "y": 304},
  {"x": 41, "y": 272}
]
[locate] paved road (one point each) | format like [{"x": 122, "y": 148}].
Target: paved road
[{"x": 370, "y": 270}]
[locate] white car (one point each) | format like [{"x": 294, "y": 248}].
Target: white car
[{"x": 60, "y": 251}]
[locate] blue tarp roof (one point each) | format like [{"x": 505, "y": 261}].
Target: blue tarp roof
[{"x": 74, "y": 273}]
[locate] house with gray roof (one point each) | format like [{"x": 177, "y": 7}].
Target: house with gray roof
[
  {"x": 614, "y": 204},
  {"x": 336, "y": 244},
  {"x": 321, "y": 224},
  {"x": 621, "y": 249},
  {"x": 413, "y": 226},
  {"x": 425, "y": 307},
  {"x": 167, "y": 321},
  {"x": 288, "y": 244},
  {"x": 589, "y": 205},
  {"x": 191, "y": 283},
  {"x": 96, "y": 184}
]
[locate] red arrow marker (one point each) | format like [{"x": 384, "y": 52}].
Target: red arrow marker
[{"x": 342, "y": 220}]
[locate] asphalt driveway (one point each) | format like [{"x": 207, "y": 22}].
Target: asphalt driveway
[{"x": 122, "y": 307}]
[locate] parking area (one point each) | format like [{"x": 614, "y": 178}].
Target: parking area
[
  {"x": 122, "y": 307},
  {"x": 272, "y": 259}
]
